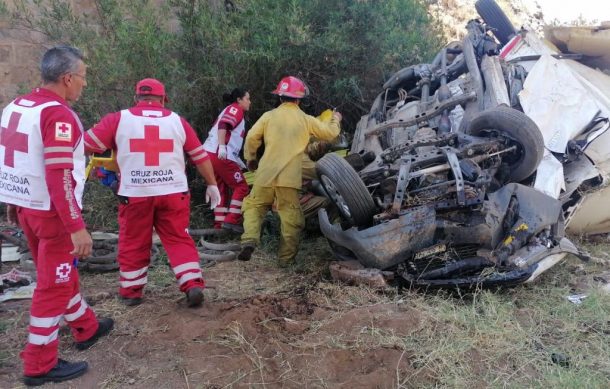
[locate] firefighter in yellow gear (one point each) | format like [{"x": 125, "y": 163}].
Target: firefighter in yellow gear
[{"x": 285, "y": 132}]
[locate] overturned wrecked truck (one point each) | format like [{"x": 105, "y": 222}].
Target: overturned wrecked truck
[{"x": 443, "y": 185}]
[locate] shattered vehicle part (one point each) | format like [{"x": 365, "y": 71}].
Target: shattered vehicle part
[
  {"x": 353, "y": 273},
  {"x": 570, "y": 103},
  {"x": 437, "y": 187}
]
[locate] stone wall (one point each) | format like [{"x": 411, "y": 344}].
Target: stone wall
[{"x": 20, "y": 52}]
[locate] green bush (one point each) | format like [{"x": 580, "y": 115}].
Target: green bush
[{"x": 343, "y": 50}]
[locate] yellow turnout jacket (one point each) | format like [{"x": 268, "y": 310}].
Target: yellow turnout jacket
[{"x": 285, "y": 131}]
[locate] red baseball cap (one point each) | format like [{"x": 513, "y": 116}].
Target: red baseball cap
[{"x": 150, "y": 86}]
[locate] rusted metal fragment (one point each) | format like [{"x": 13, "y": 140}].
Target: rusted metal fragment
[{"x": 352, "y": 272}]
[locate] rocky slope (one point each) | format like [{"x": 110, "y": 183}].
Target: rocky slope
[{"x": 454, "y": 14}]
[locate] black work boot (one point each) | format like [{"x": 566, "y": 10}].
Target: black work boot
[
  {"x": 194, "y": 297},
  {"x": 63, "y": 371},
  {"x": 105, "y": 326},
  {"x": 246, "y": 252}
]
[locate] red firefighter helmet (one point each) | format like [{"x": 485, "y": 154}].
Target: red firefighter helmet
[{"x": 291, "y": 87}]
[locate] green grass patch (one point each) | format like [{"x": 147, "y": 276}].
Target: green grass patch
[
  {"x": 4, "y": 325},
  {"x": 527, "y": 336}
]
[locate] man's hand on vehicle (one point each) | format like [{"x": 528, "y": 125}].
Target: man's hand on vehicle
[
  {"x": 83, "y": 244},
  {"x": 252, "y": 165},
  {"x": 222, "y": 152},
  {"x": 212, "y": 195}
]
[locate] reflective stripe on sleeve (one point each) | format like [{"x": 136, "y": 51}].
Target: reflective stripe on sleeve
[
  {"x": 197, "y": 158},
  {"x": 196, "y": 150},
  {"x": 58, "y": 149},
  {"x": 97, "y": 140},
  {"x": 53, "y": 161}
]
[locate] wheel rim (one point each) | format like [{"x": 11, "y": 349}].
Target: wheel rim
[{"x": 336, "y": 196}]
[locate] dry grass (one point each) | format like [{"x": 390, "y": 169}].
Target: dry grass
[
  {"x": 503, "y": 338},
  {"x": 497, "y": 339}
]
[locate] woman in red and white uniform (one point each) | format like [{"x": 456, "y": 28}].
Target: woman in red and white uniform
[{"x": 223, "y": 145}]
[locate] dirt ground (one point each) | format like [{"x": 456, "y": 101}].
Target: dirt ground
[
  {"x": 256, "y": 329},
  {"x": 266, "y": 327}
]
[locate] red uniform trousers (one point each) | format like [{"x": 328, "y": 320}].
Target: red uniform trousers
[
  {"x": 229, "y": 179},
  {"x": 56, "y": 295},
  {"x": 170, "y": 215}
]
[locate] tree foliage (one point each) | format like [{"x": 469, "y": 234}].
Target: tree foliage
[{"x": 343, "y": 49}]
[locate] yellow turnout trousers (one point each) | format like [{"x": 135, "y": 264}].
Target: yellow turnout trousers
[{"x": 259, "y": 202}]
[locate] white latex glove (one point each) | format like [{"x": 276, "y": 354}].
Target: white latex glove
[
  {"x": 222, "y": 152},
  {"x": 212, "y": 195}
]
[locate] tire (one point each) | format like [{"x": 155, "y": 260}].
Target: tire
[
  {"x": 346, "y": 190},
  {"x": 520, "y": 129},
  {"x": 198, "y": 233},
  {"x": 220, "y": 246},
  {"x": 217, "y": 256},
  {"x": 494, "y": 17},
  {"x": 97, "y": 267}
]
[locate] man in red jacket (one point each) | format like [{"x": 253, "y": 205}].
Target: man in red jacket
[
  {"x": 42, "y": 164},
  {"x": 150, "y": 143}
]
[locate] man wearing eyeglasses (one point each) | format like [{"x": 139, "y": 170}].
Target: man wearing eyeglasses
[{"x": 42, "y": 174}]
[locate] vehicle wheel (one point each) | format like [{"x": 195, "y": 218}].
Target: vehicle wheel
[
  {"x": 493, "y": 15},
  {"x": 345, "y": 188},
  {"x": 520, "y": 130}
]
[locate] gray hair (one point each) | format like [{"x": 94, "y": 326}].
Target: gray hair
[{"x": 59, "y": 60}]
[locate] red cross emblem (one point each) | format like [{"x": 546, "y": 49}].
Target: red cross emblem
[
  {"x": 63, "y": 131},
  {"x": 13, "y": 140},
  {"x": 151, "y": 145},
  {"x": 63, "y": 270},
  {"x": 63, "y": 127}
]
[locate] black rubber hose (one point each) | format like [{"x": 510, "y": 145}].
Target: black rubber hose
[{"x": 467, "y": 264}]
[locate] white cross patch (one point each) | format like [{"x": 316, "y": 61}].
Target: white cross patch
[
  {"x": 63, "y": 273},
  {"x": 63, "y": 131}
]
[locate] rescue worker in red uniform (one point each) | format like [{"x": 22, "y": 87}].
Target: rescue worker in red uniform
[
  {"x": 150, "y": 142},
  {"x": 42, "y": 162},
  {"x": 223, "y": 145}
]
